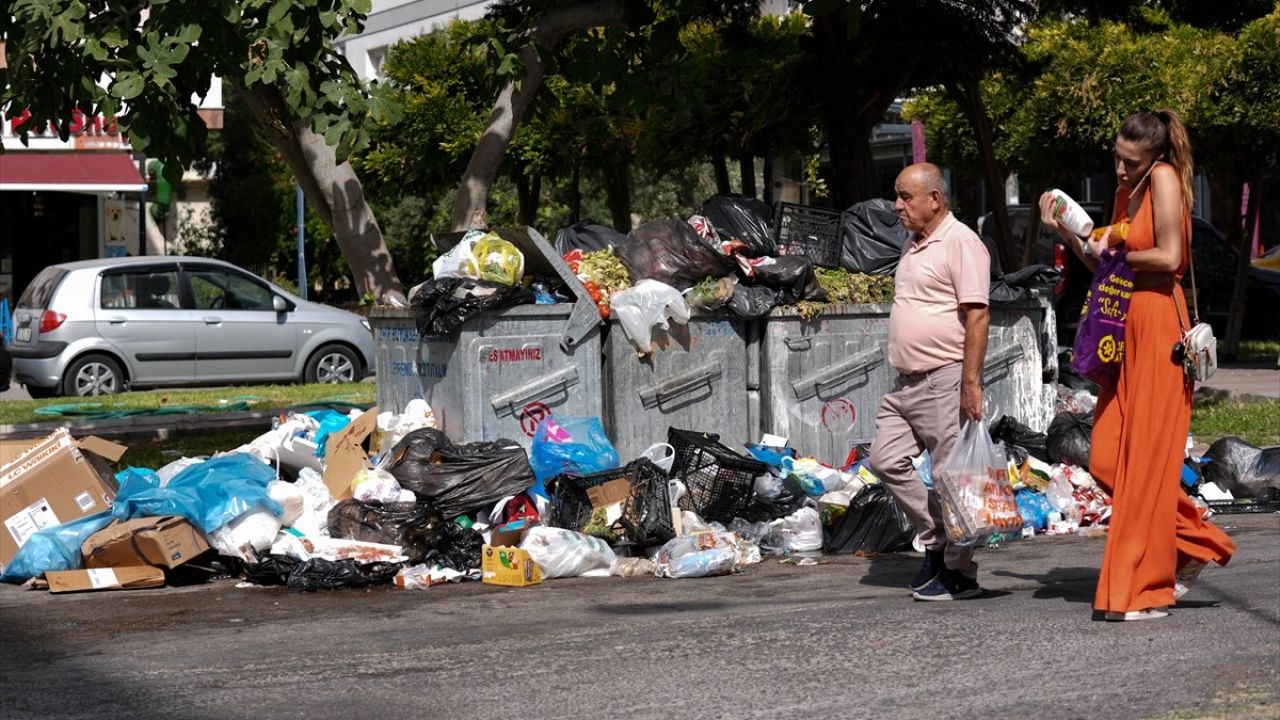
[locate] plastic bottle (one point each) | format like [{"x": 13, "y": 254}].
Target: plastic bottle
[
  {"x": 1069, "y": 214},
  {"x": 1119, "y": 233}
]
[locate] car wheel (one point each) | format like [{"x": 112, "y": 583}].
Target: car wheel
[
  {"x": 332, "y": 364},
  {"x": 93, "y": 375},
  {"x": 40, "y": 393}
]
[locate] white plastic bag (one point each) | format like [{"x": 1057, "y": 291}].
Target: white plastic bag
[
  {"x": 460, "y": 261},
  {"x": 251, "y": 532},
  {"x": 650, "y": 303},
  {"x": 973, "y": 488},
  {"x": 662, "y": 455},
  {"x": 417, "y": 415},
  {"x": 316, "y": 503},
  {"x": 168, "y": 472},
  {"x": 565, "y": 553},
  {"x": 289, "y": 497},
  {"x": 799, "y": 532},
  {"x": 702, "y": 554},
  {"x": 375, "y": 486}
]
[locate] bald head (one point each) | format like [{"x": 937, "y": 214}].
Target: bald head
[{"x": 921, "y": 193}]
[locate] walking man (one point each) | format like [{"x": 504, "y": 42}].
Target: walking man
[{"x": 937, "y": 342}]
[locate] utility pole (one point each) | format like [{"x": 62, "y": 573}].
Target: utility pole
[{"x": 301, "y": 205}]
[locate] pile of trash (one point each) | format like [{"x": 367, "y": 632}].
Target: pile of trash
[{"x": 328, "y": 500}]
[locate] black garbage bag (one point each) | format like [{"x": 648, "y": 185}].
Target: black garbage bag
[
  {"x": 763, "y": 509},
  {"x": 1020, "y": 440},
  {"x": 442, "y": 306},
  {"x": 744, "y": 219},
  {"x": 792, "y": 276},
  {"x": 670, "y": 251},
  {"x": 587, "y": 237},
  {"x": 416, "y": 527},
  {"x": 456, "y": 479},
  {"x": 321, "y": 574},
  {"x": 1242, "y": 469},
  {"x": 459, "y": 548},
  {"x": 1069, "y": 438},
  {"x": 1014, "y": 287},
  {"x": 1070, "y": 379},
  {"x": 871, "y": 238},
  {"x": 271, "y": 570},
  {"x": 752, "y": 301},
  {"x": 873, "y": 523},
  {"x": 419, "y": 445}
]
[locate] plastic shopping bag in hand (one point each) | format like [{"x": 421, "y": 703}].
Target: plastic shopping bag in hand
[{"x": 973, "y": 488}]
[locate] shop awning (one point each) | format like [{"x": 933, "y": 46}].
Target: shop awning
[{"x": 70, "y": 172}]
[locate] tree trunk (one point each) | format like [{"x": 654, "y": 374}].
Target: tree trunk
[
  {"x": 528, "y": 192},
  {"x": 747, "y": 168},
  {"x": 575, "y": 195},
  {"x": 617, "y": 191},
  {"x": 470, "y": 205},
  {"x": 721, "y": 169},
  {"x": 768, "y": 180},
  {"x": 1235, "y": 311},
  {"x": 334, "y": 193},
  {"x": 968, "y": 96}
]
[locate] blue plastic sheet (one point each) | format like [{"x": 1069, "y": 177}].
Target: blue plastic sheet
[
  {"x": 571, "y": 445},
  {"x": 55, "y": 548},
  {"x": 210, "y": 494}
]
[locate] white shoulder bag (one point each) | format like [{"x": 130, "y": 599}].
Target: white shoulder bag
[{"x": 1199, "y": 348}]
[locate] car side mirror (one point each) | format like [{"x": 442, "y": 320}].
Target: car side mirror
[{"x": 279, "y": 303}]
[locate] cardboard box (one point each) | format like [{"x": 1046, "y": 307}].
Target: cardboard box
[
  {"x": 121, "y": 578},
  {"x": 164, "y": 542},
  {"x": 510, "y": 566},
  {"x": 54, "y": 482},
  {"x": 11, "y": 450},
  {"x": 345, "y": 453}
]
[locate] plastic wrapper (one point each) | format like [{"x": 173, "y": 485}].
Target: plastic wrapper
[
  {"x": 455, "y": 479},
  {"x": 872, "y": 238},
  {"x": 443, "y": 305},
  {"x": 670, "y": 252},
  {"x": 1069, "y": 438},
  {"x": 744, "y": 225},
  {"x": 210, "y": 494},
  {"x": 565, "y": 553},
  {"x": 416, "y": 528},
  {"x": 647, "y": 305},
  {"x": 873, "y": 523},
  {"x": 973, "y": 488},
  {"x": 498, "y": 260},
  {"x": 588, "y": 237},
  {"x": 575, "y": 446},
  {"x": 1241, "y": 469},
  {"x": 701, "y": 554},
  {"x": 1020, "y": 440},
  {"x": 54, "y": 548}
]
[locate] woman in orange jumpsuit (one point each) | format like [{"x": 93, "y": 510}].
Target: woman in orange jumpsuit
[{"x": 1158, "y": 542}]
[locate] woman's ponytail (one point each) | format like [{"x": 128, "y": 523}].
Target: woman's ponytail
[{"x": 1178, "y": 151}]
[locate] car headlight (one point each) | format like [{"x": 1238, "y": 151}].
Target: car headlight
[{"x": 366, "y": 325}]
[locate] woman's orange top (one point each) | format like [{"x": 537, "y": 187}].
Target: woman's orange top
[{"x": 1142, "y": 227}]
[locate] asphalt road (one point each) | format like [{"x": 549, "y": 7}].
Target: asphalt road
[{"x": 842, "y": 639}]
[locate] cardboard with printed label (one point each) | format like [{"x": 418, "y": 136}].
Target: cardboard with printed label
[
  {"x": 345, "y": 453},
  {"x": 55, "y": 481},
  {"x": 166, "y": 542},
  {"x": 509, "y": 566},
  {"x": 121, "y": 578}
]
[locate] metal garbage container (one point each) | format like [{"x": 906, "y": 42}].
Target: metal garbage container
[
  {"x": 507, "y": 369},
  {"x": 823, "y": 378},
  {"x": 703, "y": 375},
  {"x": 1018, "y": 380}
]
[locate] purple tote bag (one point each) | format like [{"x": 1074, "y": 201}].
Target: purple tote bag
[{"x": 1099, "y": 346}]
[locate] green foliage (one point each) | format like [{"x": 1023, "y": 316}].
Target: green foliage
[{"x": 157, "y": 56}]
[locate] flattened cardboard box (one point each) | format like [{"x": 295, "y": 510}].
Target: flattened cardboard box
[
  {"x": 345, "y": 454},
  {"x": 509, "y": 566},
  {"x": 164, "y": 542},
  {"x": 52, "y": 483},
  {"x": 121, "y": 578}
]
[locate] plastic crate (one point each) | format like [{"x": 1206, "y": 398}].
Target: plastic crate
[
  {"x": 719, "y": 483},
  {"x": 646, "y": 514},
  {"x": 810, "y": 231},
  {"x": 1268, "y": 501}
]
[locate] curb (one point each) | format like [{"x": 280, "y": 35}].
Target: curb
[{"x": 157, "y": 426}]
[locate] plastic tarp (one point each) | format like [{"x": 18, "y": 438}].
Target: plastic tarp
[
  {"x": 210, "y": 494},
  {"x": 54, "y": 548},
  {"x": 871, "y": 238},
  {"x": 742, "y": 219}
]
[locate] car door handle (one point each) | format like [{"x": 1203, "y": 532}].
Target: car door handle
[
  {"x": 213, "y": 321},
  {"x": 118, "y": 320}
]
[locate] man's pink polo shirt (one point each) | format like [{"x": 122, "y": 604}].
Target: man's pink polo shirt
[{"x": 935, "y": 277}]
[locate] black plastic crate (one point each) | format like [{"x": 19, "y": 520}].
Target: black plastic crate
[
  {"x": 646, "y": 514},
  {"x": 810, "y": 231},
  {"x": 1268, "y": 501},
  {"x": 719, "y": 483},
  {"x": 570, "y": 506}
]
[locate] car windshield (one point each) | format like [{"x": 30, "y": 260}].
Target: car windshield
[{"x": 40, "y": 291}]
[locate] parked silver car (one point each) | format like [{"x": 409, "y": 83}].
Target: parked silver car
[{"x": 98, "y": 327}]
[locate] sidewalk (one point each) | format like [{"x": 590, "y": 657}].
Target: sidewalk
[{"x": 1256, "y": 379}]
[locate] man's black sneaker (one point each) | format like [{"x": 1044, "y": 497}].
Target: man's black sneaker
[
  {"x": 949, "y": 585},
  {"x": 929, "y": 569}
]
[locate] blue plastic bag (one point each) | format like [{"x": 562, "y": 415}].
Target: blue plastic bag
[
  {"x": 571, "y": 445},
  {"x": 1035, "y": 508},
  {"x": 331, "y": 421},
  {"x": 55, "y": 548},
  {"x": 210, "y": 494}
]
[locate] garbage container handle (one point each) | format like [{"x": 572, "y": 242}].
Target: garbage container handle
[
  {"x": 512, "y": 401},
  {"x": 808, "y": 387},
  {"x": 677, "y": 385},
  {"x": 1004, "y": 356}
]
